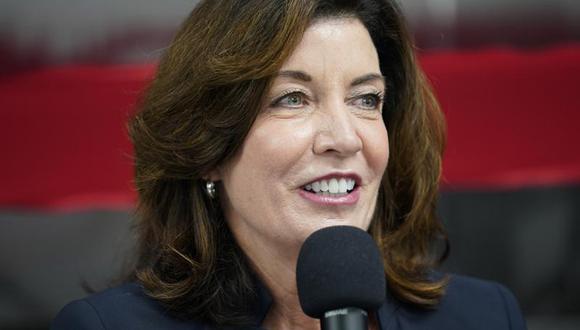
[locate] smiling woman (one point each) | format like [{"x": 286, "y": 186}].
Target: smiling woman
[
  {"x": 267, "y": 121},
  {"x": 316, "y": 128}
]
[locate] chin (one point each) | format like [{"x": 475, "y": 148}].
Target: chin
[
  {"x": 337, "y": 222},
  {"x": 301, "y": 234}
]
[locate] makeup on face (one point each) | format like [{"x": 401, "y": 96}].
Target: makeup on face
[{"x": 316, "y": 154}]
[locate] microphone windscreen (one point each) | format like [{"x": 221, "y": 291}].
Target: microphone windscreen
[{"x": 339, "y": 267}]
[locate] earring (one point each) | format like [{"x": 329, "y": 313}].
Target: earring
[{"x": 210, "y": 189}]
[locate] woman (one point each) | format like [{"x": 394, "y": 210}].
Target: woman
[{"x": 268, "y": 120}]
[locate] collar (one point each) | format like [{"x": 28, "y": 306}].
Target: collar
[{"x": 385, "y": 313}]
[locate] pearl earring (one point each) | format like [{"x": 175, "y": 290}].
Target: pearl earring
[{"x": 210, "y": 189}]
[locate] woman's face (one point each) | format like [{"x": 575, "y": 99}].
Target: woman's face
[{"x": 316, "y": 154}]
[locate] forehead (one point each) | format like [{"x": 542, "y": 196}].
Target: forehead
[{"x": 332, "y": 43}]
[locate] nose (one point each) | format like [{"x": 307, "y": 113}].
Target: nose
[{"x": 337, "y": 133}]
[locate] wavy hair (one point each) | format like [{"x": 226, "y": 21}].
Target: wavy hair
[{"x": 195, "y": 116}]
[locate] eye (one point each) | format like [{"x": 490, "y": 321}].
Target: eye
[
  {"x": 370, "y": 101},
  {"x": 290, "y": 100}
]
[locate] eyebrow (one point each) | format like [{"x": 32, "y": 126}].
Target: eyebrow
[
  {"x": 303, "y": 76},
  {"x": 367, "y": 78},
  {"x": 298, "y": 75}
]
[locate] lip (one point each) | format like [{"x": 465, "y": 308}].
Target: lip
[{"x": 348, "y": 199}]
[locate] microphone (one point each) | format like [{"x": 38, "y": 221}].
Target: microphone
[{"x": 340, "y": 277}]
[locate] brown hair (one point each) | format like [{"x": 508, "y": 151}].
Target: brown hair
[{"x": 196, "y": 113}]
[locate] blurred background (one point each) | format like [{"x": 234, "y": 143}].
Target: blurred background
[{"x": 507, "y": 73}]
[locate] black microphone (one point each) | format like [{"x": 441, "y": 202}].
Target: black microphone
[{"x": 340, "y": 277}]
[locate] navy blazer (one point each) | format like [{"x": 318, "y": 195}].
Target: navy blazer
[{"x": 468, "y": 304}]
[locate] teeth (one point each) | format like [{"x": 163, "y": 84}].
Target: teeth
[
  {"x": 316, "y": 186},
  {"x": 334, "y": 186},
  {"x": 342, "y": 186},
  {"x": 324, "y": 185},
  {"x": 350, "y": 184}
]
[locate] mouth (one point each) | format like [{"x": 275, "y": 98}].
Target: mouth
[
  {"x": 333, "y": 189},
  {"x": 335, "y": 186}
]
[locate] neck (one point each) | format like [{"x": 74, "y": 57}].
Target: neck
[
  {"x": 286, "y": 312},
  {"x": 276, "y": 268},
  {"x": 285, "y": 315},
  {"x": 280, "y": 279}
]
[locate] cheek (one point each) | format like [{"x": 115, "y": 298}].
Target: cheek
[
  {"x": 279, "y": 146},
  {"x": 266, "y": 161},
  {"x": 376, "y": 144},
  {"x": 263, "y": 172}
]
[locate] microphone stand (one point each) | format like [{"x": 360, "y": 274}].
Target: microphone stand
[{"x": 350, "y": 318}]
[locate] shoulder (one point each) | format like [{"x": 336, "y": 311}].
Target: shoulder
[
  {"x": 469, "y": 303},
  {"x": 122, "y": 307},
  {"x": 480, "y": 296}
]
